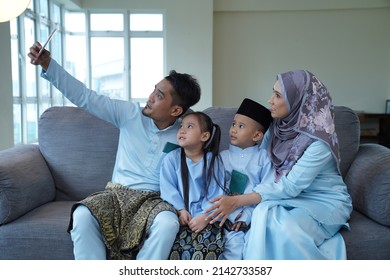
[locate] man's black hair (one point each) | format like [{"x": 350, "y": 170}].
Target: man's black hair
[{"x": 186, "y": 89}]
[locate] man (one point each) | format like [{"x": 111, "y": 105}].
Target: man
[{"x": 128, "y": 219}]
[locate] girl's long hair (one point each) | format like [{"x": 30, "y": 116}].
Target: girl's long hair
[{"x": 212, "y": 145}]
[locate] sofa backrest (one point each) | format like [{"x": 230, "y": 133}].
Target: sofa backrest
[
  {"x": 346, "y": 122},
  {"x": 79, "y": 149},
  {"x": 348, "y": 133},
  {"x": 223, "y": 116}
]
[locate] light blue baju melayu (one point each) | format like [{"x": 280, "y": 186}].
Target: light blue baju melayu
[
  {"x": 302, "y": 211},
  {"x": 255, "y": 164},
  {"x": 137, "y": 166}
]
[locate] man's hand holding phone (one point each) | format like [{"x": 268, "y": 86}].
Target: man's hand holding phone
[{"x": 39, "y": 55}]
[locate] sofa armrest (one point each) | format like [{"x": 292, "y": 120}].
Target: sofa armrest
[
  {"x": 368, "y": 182},
  {"x": 25, "y": 182}
]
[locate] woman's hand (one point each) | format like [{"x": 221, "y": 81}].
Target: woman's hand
[{"x": 223, "y": 206}]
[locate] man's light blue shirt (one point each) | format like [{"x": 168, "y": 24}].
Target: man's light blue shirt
[{"x": 141, "y": 143}]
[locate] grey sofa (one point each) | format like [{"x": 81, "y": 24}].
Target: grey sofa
[{"x": 76, "y": 155}]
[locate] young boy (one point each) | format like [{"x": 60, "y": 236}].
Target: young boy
[{"x": 246, "y": 165}]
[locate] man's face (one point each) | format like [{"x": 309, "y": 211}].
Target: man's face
[{"x": 159, "y": 106}]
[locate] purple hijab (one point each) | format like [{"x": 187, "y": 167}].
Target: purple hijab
[{"x": 310, "y": 118}]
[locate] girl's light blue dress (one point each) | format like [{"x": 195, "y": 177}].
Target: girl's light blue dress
[{"x": 171, "y": 185}]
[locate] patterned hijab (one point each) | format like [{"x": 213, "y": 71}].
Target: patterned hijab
[{"x": 310, "y": 118}]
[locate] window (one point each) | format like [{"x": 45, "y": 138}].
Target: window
[
  {"x": 119, "y": 54},
  {"x": 125, "y": 52},
  {"x": 146, "y": 44}
]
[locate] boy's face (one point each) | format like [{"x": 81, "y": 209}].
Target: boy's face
[{"x": 244, "y": 132}]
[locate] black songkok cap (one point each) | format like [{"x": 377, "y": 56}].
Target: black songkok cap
[{"x": 256, "y": 112}]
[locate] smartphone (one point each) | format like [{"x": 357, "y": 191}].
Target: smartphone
[
  {"x": 47, "y": 41},
  {"x": 229, "y": 226}
]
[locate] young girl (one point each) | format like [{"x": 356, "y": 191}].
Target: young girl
[{"x": 192, "y": 175}]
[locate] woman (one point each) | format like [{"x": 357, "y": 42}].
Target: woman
[{"x": 299, "y": 214}]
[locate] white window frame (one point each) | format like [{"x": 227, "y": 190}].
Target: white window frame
[{"x": 23, "y": 99}]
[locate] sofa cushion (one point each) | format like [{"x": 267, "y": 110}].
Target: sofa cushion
[
  {"x": 80, "y": 150},
  {"x": 223, "y": 116},
  {"x": 368, "y": 182},
  {"x": 41, "y": 234},
  {"x": 348, "y": 133},
  {"x": 366, "y": 239},
  {"x": 25, "y": 182}
]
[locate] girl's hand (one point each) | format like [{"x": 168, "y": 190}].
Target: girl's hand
[
  {"x": 222, "y": 208},
  {"x": 184, "y": 217},
  {"x": 198, "y": 223}
]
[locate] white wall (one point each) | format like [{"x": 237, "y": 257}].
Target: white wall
[
  {"x": 189, "y": 36},
  {"x": 348, "y": 49}
]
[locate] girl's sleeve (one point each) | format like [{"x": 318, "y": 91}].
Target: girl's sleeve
[
  {"x": 215, "y": 189},
  {"x": 300, "y": 177},
  {"x": 169, "y": 181}
]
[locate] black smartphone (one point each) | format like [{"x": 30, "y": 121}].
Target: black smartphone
[{"x": 229, "y": 226}]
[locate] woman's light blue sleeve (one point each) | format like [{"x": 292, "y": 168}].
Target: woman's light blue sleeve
[
  {"x": 300, "y": 177},
  {"x": 169, "y": 181}
]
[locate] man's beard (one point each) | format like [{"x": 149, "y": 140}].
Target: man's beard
[{"x": 144, "y": 113}]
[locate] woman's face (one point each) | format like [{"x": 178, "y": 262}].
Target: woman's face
[{"x": 279, "y": 108}]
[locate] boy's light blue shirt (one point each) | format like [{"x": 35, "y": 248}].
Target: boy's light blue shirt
[
  {"x": 141, "y": 143},
  {"x": 253, "y": 162}
]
